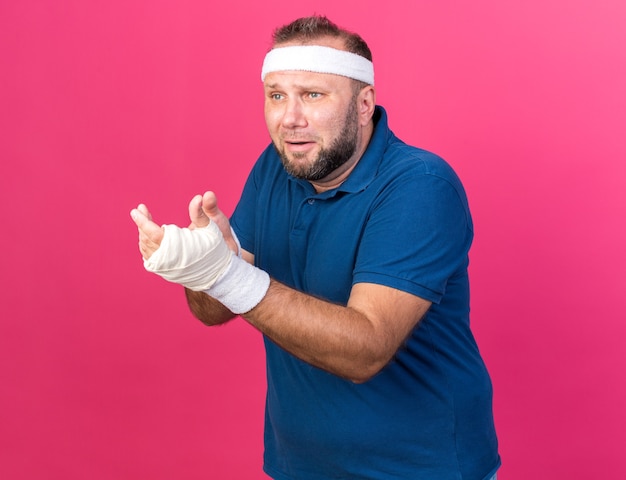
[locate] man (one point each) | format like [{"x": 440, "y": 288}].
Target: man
[{"x": 348, "y": 250}]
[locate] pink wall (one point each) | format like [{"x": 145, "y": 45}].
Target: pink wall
[{"x": 103, "y": 372}]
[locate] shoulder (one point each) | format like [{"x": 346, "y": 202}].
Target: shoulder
[
  {"x": 413, "y": 181},
  {"x": 423, "y": 174},
  {"x": 402, "y": 160},
  {"x": 399, "y": 160}
]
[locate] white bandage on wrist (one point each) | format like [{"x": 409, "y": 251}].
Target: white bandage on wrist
[
  {"x": 319, "y": 59},
  {"x": 241, "y": 287},
  {"x": 200, "y": 260}
]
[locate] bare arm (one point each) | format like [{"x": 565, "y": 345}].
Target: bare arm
[
  {"x": 206, "y": 309},
  {"x": 354, "y": 342}
]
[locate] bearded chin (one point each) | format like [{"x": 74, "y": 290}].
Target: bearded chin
[{"x": 328, "y": 159}]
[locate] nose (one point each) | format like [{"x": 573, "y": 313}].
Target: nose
[{"x": 294, "y": 114}]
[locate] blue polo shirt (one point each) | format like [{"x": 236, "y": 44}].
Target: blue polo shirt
[{"x": 401, "y": 219}]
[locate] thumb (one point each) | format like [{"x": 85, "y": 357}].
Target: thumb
[
  {"x": 209, "y": 206},
  {"x": 196, "y": 214}
]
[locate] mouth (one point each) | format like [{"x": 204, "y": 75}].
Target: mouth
[{"x": 298, "y": 146}]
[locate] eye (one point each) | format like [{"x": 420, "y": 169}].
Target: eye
[
  {"x": 276, "y": 96},
  {"x": 315, "y": 95}
]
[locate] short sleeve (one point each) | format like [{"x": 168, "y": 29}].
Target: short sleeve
[{"x": 417, "y": 236}]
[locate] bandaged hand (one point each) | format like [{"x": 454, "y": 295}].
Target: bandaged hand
[
  {"x": 192, "y": 258},
  {"x": 200, "y": 260}
]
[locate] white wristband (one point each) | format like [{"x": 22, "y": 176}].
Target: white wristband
[{"x": 240, "y": 287}]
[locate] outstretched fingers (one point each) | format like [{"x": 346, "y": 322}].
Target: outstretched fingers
[
  {"x": 198, "y": 217},
  {"x": 143, "y": 209},
  {"x": 150, "y": 234}
]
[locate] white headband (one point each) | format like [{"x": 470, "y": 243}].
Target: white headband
[{"x": 315, "y": 58}]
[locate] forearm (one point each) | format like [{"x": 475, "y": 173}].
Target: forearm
[
  {"x": 339, "y": 339},
  {"x": 206, "y": 309}
]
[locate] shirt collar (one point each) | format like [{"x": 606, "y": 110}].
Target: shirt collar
[{"x": 366, "y": 168}]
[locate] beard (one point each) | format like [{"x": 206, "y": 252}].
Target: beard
[{"x": 328, "y": 159}]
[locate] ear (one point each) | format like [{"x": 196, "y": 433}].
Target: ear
[{"x": 366, "y": 103}]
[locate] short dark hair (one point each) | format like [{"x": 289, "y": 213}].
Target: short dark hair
[{"x": 309, "y": 29}]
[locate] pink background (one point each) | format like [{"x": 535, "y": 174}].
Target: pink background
[{"x": 103, "y": 372}]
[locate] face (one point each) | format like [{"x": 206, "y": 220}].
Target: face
[
  {"x": 313, "y": 121},
  {"x": 319, "y": 141}
]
